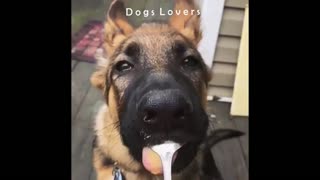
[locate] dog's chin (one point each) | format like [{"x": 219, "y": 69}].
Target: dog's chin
[
  {"x": 136, "y": 136},
  {"x": 184, "y": 156}
]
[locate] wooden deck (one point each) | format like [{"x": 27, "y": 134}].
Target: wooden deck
[{"x": 231, "y": 155}]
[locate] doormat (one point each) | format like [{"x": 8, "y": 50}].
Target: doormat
[{"x": 87, "y": 41}]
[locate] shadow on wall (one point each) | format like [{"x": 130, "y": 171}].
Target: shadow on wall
[{"x": 85, "y": 10}]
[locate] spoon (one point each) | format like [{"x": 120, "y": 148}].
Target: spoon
[{"x": 166, "y": 152}]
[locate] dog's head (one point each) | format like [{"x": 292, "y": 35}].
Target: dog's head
[{"x": 155, "y": 81}]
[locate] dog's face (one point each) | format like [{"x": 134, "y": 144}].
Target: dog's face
[
  {"x": 155, "y": 83},
  {"x": 159, "y": 79}
]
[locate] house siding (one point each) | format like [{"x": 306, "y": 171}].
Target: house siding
[{"x": 227, "y": 50}]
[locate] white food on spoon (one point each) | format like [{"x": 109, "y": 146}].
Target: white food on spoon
[{"x": 166, "y": 152}]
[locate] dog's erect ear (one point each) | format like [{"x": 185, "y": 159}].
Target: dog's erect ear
[
  {"x": 187, "y": 24},
  {"x": 117, "y": 27}
]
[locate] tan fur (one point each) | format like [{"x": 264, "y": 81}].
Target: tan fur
[
  {"x": 188, "y": 25},
  {"x": 97, "y": 79},
  {"x": 156, "y": 38},
  {"x": 116, "y": 27},
  {"x": 108, "y": 137},
  {"x": 104, "y": 172}
]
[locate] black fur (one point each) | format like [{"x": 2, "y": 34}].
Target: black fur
[{"x": 133, "y": 131}]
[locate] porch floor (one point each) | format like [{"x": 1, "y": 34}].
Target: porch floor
[{"x": 231, "y": 156}]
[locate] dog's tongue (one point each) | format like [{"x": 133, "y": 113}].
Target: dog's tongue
[
  {"x": 153, "y": 158},
  {"x": 151, "y": 161}
]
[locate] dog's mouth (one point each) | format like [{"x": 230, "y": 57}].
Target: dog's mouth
[
  {"x": 181, "y": 158},
  {"x": 152, "y": 117},
  {"x": 152, "y": 161},
  {"x": 187, "y": 135},
  {"x": 178, "y": 136}
]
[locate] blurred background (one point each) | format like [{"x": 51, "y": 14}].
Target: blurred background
[{"x": 86, "y": 10}]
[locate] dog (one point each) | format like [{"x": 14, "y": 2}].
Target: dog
[{"x": 154, "y": 83}]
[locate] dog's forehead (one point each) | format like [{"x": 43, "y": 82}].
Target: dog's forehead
[
  {"x": 154, "y": 29},
  {"x": 156, "y": 42}
]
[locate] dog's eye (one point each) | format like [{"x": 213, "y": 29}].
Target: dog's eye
[
  {"x": 190, "y": 62},
  {"x": 123, "y": 66}
]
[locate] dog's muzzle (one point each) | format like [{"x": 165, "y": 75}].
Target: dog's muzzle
[{"x": 164, "y": 110}]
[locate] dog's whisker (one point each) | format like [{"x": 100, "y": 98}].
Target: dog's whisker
[{"x": 114, "y": 125}]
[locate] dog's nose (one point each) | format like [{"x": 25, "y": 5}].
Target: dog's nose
[{"x": 165, "y": 108}]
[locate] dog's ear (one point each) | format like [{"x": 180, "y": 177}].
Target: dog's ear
[
  {"x": 117, "y": 26},
  {"x": 187, "y": 24},
  {"x": 99, "y": 77},
  {"x": 116, "y": 29}
]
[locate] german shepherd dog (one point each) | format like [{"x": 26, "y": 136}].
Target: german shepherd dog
[{"x": 154, "y": 83}]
